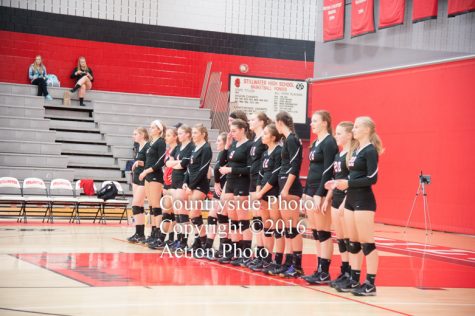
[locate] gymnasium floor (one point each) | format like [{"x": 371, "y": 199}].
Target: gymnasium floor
[{"x": 88, "y": 269}]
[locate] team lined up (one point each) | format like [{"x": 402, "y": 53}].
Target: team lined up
[{"x": 261, "y": 161}]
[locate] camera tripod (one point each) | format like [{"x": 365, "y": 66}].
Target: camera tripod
[{"x": 423, "y": 180}]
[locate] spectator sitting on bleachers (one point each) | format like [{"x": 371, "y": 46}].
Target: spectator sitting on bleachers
[
  {"x": 83, "y": 74},
  {"x": 37, "y": 75}
]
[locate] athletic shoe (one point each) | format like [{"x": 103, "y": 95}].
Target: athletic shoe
[
  {"x": 279, "y": 269},
  {"x": 169, "y": 243},
  {"x": 175, "y": 245},
  {"x": 136, "y": 238},
  {"x": 340, "y": 278},
  {"x": 49, "y": 98},
  {"x": 237, "y": 261},
  {"x": 246, "y": 262},
  {"x": 319, "y": 278},
  {"x": 312, "y": 276},
  {"x": 226, "y": 258},
  {"x": 292, "y": 272},
  {"x": 253, "y": 262},
  {"x": 366, "y": 289},
  {"x": 347, "y": 285},
  {"x": 259, "y": 266},
  {"x": 157, "y": 244},
  {"x": 267, "y": 268}
]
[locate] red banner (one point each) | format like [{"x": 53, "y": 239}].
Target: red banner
[
  {"x": 333, "y": 20},
  {"x": 424, "y": 10},
  {"x": 362, "y": 17},
  {"x": 391, "y": 13},
  {"x": 457, "y": 7}
]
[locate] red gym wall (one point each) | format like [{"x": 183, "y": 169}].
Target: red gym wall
[
  {"x": 425, "y": 117},
  {"x": 131, "y": 68}
]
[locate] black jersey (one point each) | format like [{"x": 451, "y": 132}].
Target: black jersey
[
  {"x": 270, "y": 167},
  {"x": 220, "y": 161},
  {"x": 291, "y": 156},
  {"x": 197, "y": 170},
  {"x": 321, "y": 156},
  {"x": 239, "y": 159},
  {"x": 155, "y": 155},
  {"x": 340, "y": 170},
  {"x": 363, "y": 167},
  {"x": 140, "y": 156},
  {"x": 184, "y": 155},
  {"x": 257, "y": 149}
]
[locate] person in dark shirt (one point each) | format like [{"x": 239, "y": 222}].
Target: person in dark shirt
[
  {"x": 179, "y": 163},
  {"x": 196, "y": 183},
  {"x": 267, "y": 192},
  {"x": 138, "y": 189},
  {"x": 216, "y": 210},
  {"x": 153, "y": 175},
  {"x": 321, "y": 156},
  {"x": 290, "y": 190},
  {"x": 257, "y": 123},
  {"x": 84, "y": 78},
  {"x": 335, "y": 197},
  {"x": 237, "y": 171},
  {"x": 168, "y": 217},
  {"x": 360, "y": 206}
]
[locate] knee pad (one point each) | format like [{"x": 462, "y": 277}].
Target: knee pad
[
  {"x": 157, "y": 211},
  {"x": 173, "y": 217},
  {"x": 223, "y": 219},
  {"x": 341, "y": 245},
  {"x": 245, "y": 224},
  {"x": 324, "y": 235},
  {"x": 268, "y": 232},
  {"x": 184, "y": 218},
  {"x": 212, "y": 220},
  {"x": 197, "y": 221},
  {"x": 277, "y": 234},
  {"x": 347, "y": 243},
  {"x": 257, "y": 224},
  {"x": 167, "y": 217},
  {"x": 136, "y": 210},
  {"x": 368, "y": 248},
  {"x": 291, "y": 232},
  {"x": 355, "y": 247},
  {"x": 234, "y": 225},
  {"x": 315, "y": 234}
]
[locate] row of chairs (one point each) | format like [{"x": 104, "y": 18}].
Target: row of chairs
[{"x": 33, "y": 197}]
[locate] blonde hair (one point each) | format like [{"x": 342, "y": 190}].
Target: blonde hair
[
  {"x": 143, "y": 131},
  {"x": 348, "y": 126},
  {"x": 185, "y": 128},
  {"x": 203, "y": 130},
  {"x": 374, "y": 138},
  {"x": 39, "y": 68},
  {"x": 160, "y": 126},
  {"x": 79, "y": 63}
]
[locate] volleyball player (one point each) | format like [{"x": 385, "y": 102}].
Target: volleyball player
[
  {"x": 321, "y": 156},
  {"x": 196, "y": 182},
  {"x": 360, "y": 206},
  {"x": 257, "y": 123},
  {"x": 168, "y": 217},
  {"x": 267, "y": 192},
  {"x": 138, "y": 189},
  {"x": 216, "y": 211},
  {"x": 179, "y": 163},
  {"x": 290, "y": 190},
  {"x": 335, "y": 197},
  {"x": 153, "y": 174},
  {"x": 237, "y": 191}
]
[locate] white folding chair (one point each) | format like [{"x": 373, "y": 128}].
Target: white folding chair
[
  {"x": 40, "y": 199},
  {"x": 11, "y": 197},
  {"x": 66, "y": 199},
  {"x": 87, "y": 201},
  {"x": 119, "y": 202}
]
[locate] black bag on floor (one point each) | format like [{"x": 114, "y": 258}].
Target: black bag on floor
[{"x": 108, "y": 192}]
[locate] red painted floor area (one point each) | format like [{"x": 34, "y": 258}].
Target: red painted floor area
[{"x": 150, "y": 269}]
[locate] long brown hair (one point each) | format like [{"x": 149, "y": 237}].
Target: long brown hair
[
  {"x": 261, "y": 116},
  {"x": 326, "y": 117},
  {"x": 274, "y": 132},
  {"x": 287, "y": 119},
  {"x": 143, "y": 131}
]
